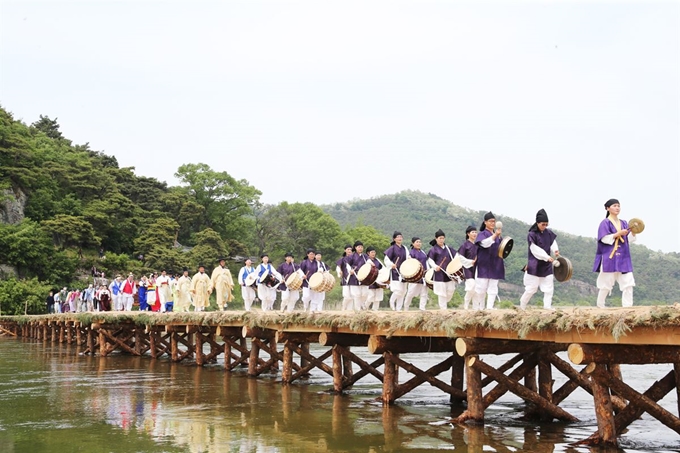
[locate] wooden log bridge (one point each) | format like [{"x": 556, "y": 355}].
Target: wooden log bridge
[{"x": 585, "y": 345}]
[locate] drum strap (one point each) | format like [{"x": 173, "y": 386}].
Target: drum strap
[{"x": 617, "y": 225}]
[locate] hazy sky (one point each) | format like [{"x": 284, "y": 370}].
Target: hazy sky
[{"x": 502, "y": 106}]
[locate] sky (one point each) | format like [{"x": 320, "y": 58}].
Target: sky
[{"x": 503, "y": 106}]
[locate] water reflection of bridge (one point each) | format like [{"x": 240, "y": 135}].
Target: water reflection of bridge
[{"x": 598, "y": 340}]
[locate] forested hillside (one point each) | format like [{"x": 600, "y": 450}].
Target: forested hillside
[
  {"x": 657, "y": 275},
  {"x": 65, "y": 208}
]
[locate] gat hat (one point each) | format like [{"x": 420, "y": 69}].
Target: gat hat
[
  {"x": 370, "y": 249},
  {"x": 311, "y": 250},
  {"x": 288, "y": 254},
  {"x": 186, "y": 269},
  {"x": 541, "y": 216},
  {"x": 488, "y": 216},
  {"x": 439, "y": 233},
  {"x": 358, "y": 243}
]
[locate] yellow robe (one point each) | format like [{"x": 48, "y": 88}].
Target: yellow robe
[
  {"x": 183, "y": 300},
  {"x": 201, "y": 287},
  {"x": 223, "y": 284}
]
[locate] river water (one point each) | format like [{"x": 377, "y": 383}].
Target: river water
[{"x": 54, "y": 400}]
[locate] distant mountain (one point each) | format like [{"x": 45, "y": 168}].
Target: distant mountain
[{"x": 420, "y": 214}]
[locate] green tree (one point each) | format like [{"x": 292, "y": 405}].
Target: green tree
[
  {"x": 370, "y": 237},
  {"x": 18, "y": 297},
  {"x": 70, "y": 230},
  {"x": 224, "y": 198}
]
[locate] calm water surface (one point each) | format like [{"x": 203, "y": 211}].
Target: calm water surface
[{"x": 53, "y": 400}]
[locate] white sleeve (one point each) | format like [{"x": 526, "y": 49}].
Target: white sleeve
[
  {"x": 539, "y": 253},
  {"x": 467, "y": 263},
  {"x": 632, "y": 238},
  {"x": 338, "y": 271},
  {"x": 608, "y": 239},
  {"x": 553, "y": 247},
  {"x": 388, "y": 261},
  {"x": 431, "y": 264},
  {"x": 488, "y": 242},
  {"x": 240, "y": 275}
]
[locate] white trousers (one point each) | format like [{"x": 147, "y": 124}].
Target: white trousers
[
  {"x": 444, "y": 292},
  {"x": 347, "y": 301},
  {"x": 306, "y": 298},
  {"x": 359, "y": 295},
  {"x": 398, "y": 294},
  {"x": 605, "y": 283},
  {"x": 117, "y": 302},
  {"x": 317, "y": 300},
  {"x": 288, "y": 299},
  {"x": 469, "y": 292},
  {"x": 531, "y": 286},
  {"x": 126, "y": 301},
  {"x": 488, "y": 286},
  {"x": 375, "y": 296},
  {"x": 248, "y": 294},
  {"x": 267, "y": 295},
  {"x": 416, "y": 290}
]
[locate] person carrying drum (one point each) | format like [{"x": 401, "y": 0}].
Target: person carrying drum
[
  {"x": 612, "y": 259},
  {"x": 247, "y": 291},
  {"x": 289, "y": 297},
  {"x": 318, "y": 297},
  {"x": 490, "y": 266},
  {"x": 468, "y": 249},
  {"x": 395, "y": 255},
  {"x": 358, "y": 291},
  {"x": 439, "y": 257},
  {"x": 342, "y": 269},
  {"x": 266, "y": 274},
  {"x": 417, "y": 289},
  {"x": 539, "y": 269},
  {"x": 308, "y": 267},
  {"x": 375, "y": 290}
]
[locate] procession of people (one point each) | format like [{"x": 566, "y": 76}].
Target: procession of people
[{"x": 477, "y": 265}]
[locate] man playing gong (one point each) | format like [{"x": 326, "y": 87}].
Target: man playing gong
[{"x": 539, "y": 269}]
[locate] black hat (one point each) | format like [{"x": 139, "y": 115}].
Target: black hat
[
  {"x": 186, "y": 269},
  {"x": 221, "y": 258},
  {"x": 358, "y": 243},
  {"x": 488, "y": 216},
  {"x": 201, "y": 266},
  {"x": 541, "y": 216},
  {"x": 348, "y": 246},
  {"x": 370, "y": 249},
  {"x": 414, "y": 239},
  {"x": 439, "y": 233},
  {"x": 263, "y": 255},
  {"x": 310, "y": 250},
  {"x": 288, "y": 254},
  {"x": 469, "y": 230},
  {"x": 395, "y": 234}
]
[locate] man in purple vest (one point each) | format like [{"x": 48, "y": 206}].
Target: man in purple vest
[
  {"x": 288, "y": 297},
  {"x": 395, "y": 256},
  {"x": 417, "y": 289},
  {"x": 468, "y": 249},
  {"x": 342, "y": 269},
  {"x": 358, "y": 291},
  {"x": 612, "y": 259},
  {"x": 539, "y": 269},
  {"x": 308, "y": 268},
  {"x": 490, "y": 266}
]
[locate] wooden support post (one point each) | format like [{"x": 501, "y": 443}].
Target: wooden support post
[
  {"x": 102, "y": 343},
  {"x": 635, "y": 398},
  {"x": 545, "y": 384},
  {"x": 90, "y": 340},
  {"x": 676, "y": 372},
  {"x": 531, "y": 384},
  {"x": 62, "y": 328},
  {"x": 603, "y": 410},
  {"x": 523, "y": 392},
  {"x": 139, "y": 339},
  {"x": 474, "y": 391},
  {"x": 304, "y": 363},
  {"x": 54, "y": 333},
  {"x": 227, "y": 353},
  {"x": 457, "y": 378},
  {"x": 390, "y": 378},
  {"x": 254, "y": 356},
  {"x": 287, "y": 373},
  {"x": 174, "y": 347},
  {"x": 347, "y": 371},
  {"x": 337, "y": 369}
]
